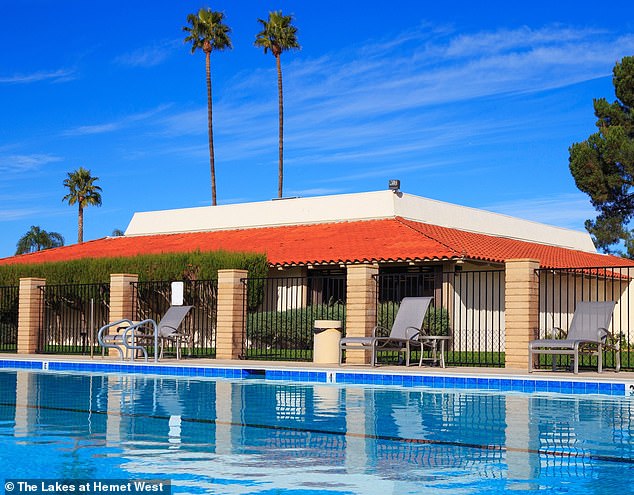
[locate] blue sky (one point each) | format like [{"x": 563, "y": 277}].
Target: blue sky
[{"x": 466, "y": 102}]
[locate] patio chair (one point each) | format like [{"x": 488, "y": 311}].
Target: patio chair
[
  {"x": 168, "y": 328},
  {"x": 588, "y": 334},
  {"x": 403, "y": 335}
]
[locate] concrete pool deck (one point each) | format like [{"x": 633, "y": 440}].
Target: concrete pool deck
[
  {"x": 496, "y": 379},
  {"x": 608, "y": 373}
]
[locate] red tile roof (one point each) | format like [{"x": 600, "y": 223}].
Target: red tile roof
[{"x": 394, "y": 239}]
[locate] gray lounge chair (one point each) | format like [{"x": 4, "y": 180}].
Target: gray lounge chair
[
  {"x": 588, "y": 334},
  {"x": 403, "y": 335},
  {"x": 168, "y": 328}
]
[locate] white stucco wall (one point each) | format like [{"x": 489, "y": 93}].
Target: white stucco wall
[{"x": 353, "y": 207}]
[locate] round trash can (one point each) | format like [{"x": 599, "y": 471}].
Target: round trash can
[{"x": 327, "y": 334}]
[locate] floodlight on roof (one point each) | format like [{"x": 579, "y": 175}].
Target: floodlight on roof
[{"x": 394, "y": 185}]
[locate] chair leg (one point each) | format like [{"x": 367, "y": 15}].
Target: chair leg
[
  {"x": 442, "y": 353},
  {"x": 576, "y": 364},
  {"x": 600, "y": 359}
]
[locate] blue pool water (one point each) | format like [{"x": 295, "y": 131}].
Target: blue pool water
[{"x": 253, "y": 436}]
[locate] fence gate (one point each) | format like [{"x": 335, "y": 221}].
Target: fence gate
[
  {"x": 9, "y": 301},
  {"x": 281, "y": 312},
  {"x": 468, "y": 306},
  {"x": 71, "y": 317},
  {"x": 152, "y": 299}
]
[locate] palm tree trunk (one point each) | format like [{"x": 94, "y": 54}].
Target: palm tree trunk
[
  {"x": 212, "y": 164},
  {"x": 80, "y": 224},
  {"x": 280, "y": 168}
]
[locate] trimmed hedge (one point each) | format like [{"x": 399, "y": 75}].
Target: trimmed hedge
[
  {"x": 170, "y": 266},
  {"x": 292, "y": 329}
]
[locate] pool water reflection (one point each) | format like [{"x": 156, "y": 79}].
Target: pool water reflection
[{"x": 253, "y": 436}]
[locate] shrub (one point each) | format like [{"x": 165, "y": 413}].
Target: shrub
[
  {"x": 169, "y": 266},
  {"x": 292, "y": 329}
]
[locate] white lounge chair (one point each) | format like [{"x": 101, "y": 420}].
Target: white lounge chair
[
  {"x": 403, "y": 335},
  {"x": 588, "y": 334}
]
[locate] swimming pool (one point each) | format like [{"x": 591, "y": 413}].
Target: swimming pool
[{"x": 249, "y": 436}]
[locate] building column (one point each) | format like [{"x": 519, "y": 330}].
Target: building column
[
  {"x": 231, "y": 313},
  {"x": 121, "y": 300},
  {"x": 31, "y": 299},
  {"x": 122, "y": 296},
  {"x": 521, "y": 314},
  {"x": 360, "y": 308}
]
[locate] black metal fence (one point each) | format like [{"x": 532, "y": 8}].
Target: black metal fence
[
  {"x": 9, "y": 299},
  {"x": 71, "y": 316},
  {"x": 559, "y": 291},
  {"x": 468, "y": 306},
  {"x": 152, "y": 300},
  {"x": 281, "y": 312}
]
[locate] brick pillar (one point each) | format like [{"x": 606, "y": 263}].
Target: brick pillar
[
  {"x": 521, "y": 300},
  {"x": 231, "y": 292},
  {"x": 30, "y": 314},
  {"x": 122, "y": 296},
  {"x": 121, "y": 300},
  {"x": 360, "y": 308}
]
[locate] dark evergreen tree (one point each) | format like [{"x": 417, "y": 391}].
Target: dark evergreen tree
[{"x": 603, "y": 165}]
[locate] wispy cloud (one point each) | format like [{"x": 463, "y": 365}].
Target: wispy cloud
[
  {"x": 25, "y": 163},
  {"x": 56, "y": 76},
  {"x": 398, "y": 104},
  {"x": 123, "y": 122},
  {"x": 564, "y": 210},
  {"x": 393, "y": 99},
  {"x": 148, "y": 56},
  {"x": 18, "y": 213}
]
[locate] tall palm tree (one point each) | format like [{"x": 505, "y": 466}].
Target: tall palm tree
[
  {"x": 277, "y": 36},
  {"x": 37, "y": 239},
  {"x": 84, "y": 192},
  {"x": 207, "y": 32}
]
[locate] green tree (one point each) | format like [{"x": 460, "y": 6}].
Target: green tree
[
  {"x": 117, "y": 233},
  {"x": 37, "y": 239},
  {"x": 207, "y": 32},
  {"x": 277, "y": 36},
  {"x": 83, "y": 192},
  {"x": 603, "y": 165}
]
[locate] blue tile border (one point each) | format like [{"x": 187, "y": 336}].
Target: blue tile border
[{"x": 503, "y": 384}]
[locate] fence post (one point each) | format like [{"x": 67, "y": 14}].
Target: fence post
[
  {"x": 521, "y": 302},
  {"x": 30, "y": 303},
  {"x": 360, "y": 307},
  {"x": 229, "y": 322}
]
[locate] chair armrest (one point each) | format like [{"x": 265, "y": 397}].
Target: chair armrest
[
  {"x": 609, "y": 339},
  {"x": 413, "y": 333},
  {"x": 379, "y": 327}
]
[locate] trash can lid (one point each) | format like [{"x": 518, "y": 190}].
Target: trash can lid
[{"x": 327, "y": 324}]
